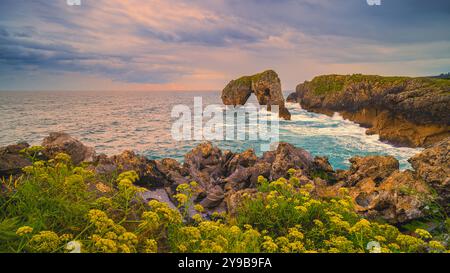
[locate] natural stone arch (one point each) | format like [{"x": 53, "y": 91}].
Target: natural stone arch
[{"x": 266, "y": 86}]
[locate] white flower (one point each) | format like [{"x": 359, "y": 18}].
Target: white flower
[
  {"x": 374, "y": 247},
  {"x": 73, "y": 247}
]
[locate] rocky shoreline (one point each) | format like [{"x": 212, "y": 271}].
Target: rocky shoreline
[
  {"x": 378, "y": 188},
  {"x": 404, "y": 111}
]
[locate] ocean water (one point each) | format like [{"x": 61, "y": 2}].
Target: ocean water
[{"x": 141, "y": 121}]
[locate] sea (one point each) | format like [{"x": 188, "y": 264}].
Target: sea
[{"x": 114, "y": 121}]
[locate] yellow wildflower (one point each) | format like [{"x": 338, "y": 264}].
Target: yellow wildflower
[
  {"x": 423, "y": 233},
  {"x": 261, "y": 180},
  {"x": 45, "y": 241},
  {"x": 436, "y": 246},
  {"x": 190, "y": 232},
  {"x": 183, "y": 188},
  {"x": 235, "y": 230},
  {"x": 181, "y": 198},
  {"x": 182, "y": 248},
  {"x": 295, "y": 234},
  {"x": 105, "y": 245},
  {"x": 22, "y": 231},
  {"x": 318, "y": 223},
  {"x": 199, "y": 208},
  {"x": 150, "y": 246},
  {"x": 301, "y": 209},
  {"x": 197, "y": 218},
  {"x": 268, "y": 245},
  {"x": 63, "y": 158}
]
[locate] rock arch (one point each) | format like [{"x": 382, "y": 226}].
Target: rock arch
[{"x": 266, "y": 86}]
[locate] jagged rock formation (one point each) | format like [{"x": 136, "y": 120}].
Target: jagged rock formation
[
  {"x": 59, "y": 142},
  {"x": 292, "y": 97},
  {"x": 11, "y": 161},
  {"x": 378, "y": 189},
  {"x": 433, "y": 166},
  {"x": 266, "y": 86},
  {"x": 405, "y": 111},
  {"x": 149, "y": 175}
]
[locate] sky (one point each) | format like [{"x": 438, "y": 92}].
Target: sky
[{"x": 203, "y": 44}]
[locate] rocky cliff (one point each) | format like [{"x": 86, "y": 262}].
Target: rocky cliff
[
  {"x": 404, "y": 111},
  {"x": 266, "y": 86},
  {"x": 378, "y": 189}
]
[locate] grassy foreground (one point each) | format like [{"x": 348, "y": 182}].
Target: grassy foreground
[{"x": 58, "y": 207}]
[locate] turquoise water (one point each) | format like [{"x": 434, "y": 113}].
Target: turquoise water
[{"x": 141, "y": 121}]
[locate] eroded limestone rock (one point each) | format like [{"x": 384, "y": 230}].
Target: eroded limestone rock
[{"x": 266, "y": 86}]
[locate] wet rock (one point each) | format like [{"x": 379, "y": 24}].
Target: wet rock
[
  {"x": 321, "y": 163},
  {"x": 292, "y": 97},
  {"x": 375, "y": 167},
  {"x": 266, "y": 86},
  {"x": 433, "y": 166},
  {"x": 59, "y": 142},
  {"x": 11, "y": 161}
]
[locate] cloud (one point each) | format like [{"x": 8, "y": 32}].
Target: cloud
[{"x": 202, "y": 44}]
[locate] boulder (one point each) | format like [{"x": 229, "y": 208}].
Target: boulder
[
  {"x": 245, "y": 159},
  {"x": 292, "y": 97},
  {"x": 11, "y": 161},
  {"x": 149, "y": 175},
  {"x": 213, "y": 198},
  {"x": 59, "y": 142},
  {"x": 377, "y": 168},
  {"x": 204, "y": 165},
  {"x": 173, "y": 171},
  {"x": 286, "y": 157},
  {"x": 243, "y": 178},
  {"x": 266, "y": 86}
]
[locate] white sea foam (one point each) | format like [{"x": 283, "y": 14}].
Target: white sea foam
[{"x": 345, "y": 132}]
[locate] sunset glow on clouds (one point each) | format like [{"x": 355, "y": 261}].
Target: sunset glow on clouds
[{"x": 201, "y": 45}]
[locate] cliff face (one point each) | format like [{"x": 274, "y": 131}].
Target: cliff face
[
  {"x": 266, "y": 86},
  {"x": 405, "y": 111}
]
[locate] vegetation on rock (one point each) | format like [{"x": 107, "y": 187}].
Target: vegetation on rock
[
  {"x": 56, "y": 206},
  {"x": 402, "y": 110}
]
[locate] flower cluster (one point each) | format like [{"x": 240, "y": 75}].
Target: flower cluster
[{"x": 280, "y": 216}]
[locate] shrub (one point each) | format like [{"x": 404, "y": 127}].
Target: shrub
[{"x": 52, "y": 208}]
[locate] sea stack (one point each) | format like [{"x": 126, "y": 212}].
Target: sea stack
[{"x": 266, "y": 86}]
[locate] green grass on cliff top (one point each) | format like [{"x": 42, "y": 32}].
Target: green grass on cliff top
[
  {"x": 247, "y": 80},
  {"x": 327, "y": 84}
]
